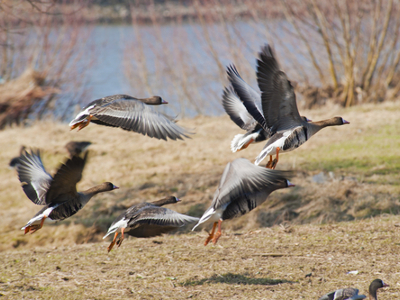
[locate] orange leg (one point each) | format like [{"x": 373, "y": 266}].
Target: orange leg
[
  {"x": 211, "y": 235},
  {"x": 269, "y": 164},
  {"x": 85, "y": 122},
  {"x": 119, "y": 242},
  {"x": 218, "y": 234},
  {"x": 34, "y": 228},
  {"x": 112, "y": 243},
  {"x": 275, "y": 162},
  {"x": 246, "y": 145}
]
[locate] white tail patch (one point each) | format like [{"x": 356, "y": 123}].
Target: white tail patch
[
  {"x": 120, "y": 224},
  {"x": 241, "y": 139},
  {"x": 237, "y": 142},
  {"x": 262, "y": 155},
  {"x": 38, "y": 218},
  {"x": 207, "y": 215},
  {"x": 82, "y": 113}
]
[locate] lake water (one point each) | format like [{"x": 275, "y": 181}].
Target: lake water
[{"x": 177, "y": 62}]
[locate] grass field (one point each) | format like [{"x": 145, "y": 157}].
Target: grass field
[{"x": 341, "y": 216}]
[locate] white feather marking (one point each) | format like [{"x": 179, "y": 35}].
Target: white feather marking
[
  {"x": 120, "y": 224},
  {"x": 85, "y": 112},
  {"x": 38, "y": 219},
  {"x": 240, "y": 140},
  {"x": 235, "y": 142},
  {"x": 211, "y": 215},
  {"x": 271, "y": 149}
]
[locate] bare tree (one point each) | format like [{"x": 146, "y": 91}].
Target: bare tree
[{"x": 40, "y": 52}]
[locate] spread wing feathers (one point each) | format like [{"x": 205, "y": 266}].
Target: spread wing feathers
[
  {"x": 277, "y": 94},
  {"x": 162, "y": 216},
  {"x": 33, "y": 176},
  {"x": 236, "y": 110},
  {"x": 65, "y": 180},
  {"x": 242, "y": 177},
  {"x": 154, "y": 220},
  {"x": 249, "y": 97},
  {"x": 139, "y": 117}
]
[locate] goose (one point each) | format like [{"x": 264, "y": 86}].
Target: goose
[
  {"x": 243, "y": 187},
  {"x": 280, "y": 114},
  {"x": 147, "y": 220},
  {"x": 58, "y": 194},
  {"x": 76, "y": 148},
  {"x": 15, "y": 161},
  {"x": 132, "y": 114},
  {"x": 238, "y": 113},
  {"x": 352, "y": 293}
]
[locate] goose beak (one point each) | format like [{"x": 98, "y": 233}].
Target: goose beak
[
  {"x": 385, "y": 284},
  {"x": 177, "y": 199},
  {"x": 289, "y": 184},
  {"x": 115, "y": 187},
  {"x": 308, "y": 120},
  {"x": 164, "y": 102},
  {"x": 345, "y": 122}
]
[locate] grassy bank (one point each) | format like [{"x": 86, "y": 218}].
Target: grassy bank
[
  {"x": 297, "y": 262},
  {"x": 348, "y": 173},
  {"x": 343, "y": 173}
]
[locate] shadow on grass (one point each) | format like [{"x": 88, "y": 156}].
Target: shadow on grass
[{"x": 231, "y": 278}]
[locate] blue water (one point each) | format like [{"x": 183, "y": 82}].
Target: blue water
[{"x": 175, "y": 56}]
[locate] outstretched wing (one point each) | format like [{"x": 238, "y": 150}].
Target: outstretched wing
[
  {"x": 236, "y": 110},
  {"x": 154, "y": 220},
  {"x": 131, "y": 114},
  {"x": 63, "y": 186},
  {"x": 241, "y": 177},
  {"x": 249, "y": 97},
  {"x": 33, "y": 176},
  {"x": 277, "y": 94}
]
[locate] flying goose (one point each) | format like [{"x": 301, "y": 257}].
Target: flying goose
[
  {"x": 243, "y": 187},
  {"x": 352, "y": 293},
  {"x": 147, "y": 220},
  {"x": 131, "y": 114},
  {"x": 238, "y": 113},
  {"x": 76, "y": 148},
  {"x": 58, "y": 194},
  {"x": 279, "y": 110}
]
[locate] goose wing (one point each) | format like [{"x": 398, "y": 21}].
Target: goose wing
[
  {"x": 236, "y": 110},
  {"x": 277, "y": 94},
  {"x": 249, "y": 97},
  {"x": 131, "y": 114},
  {"x": 33, "y": 176},
  {"x": 63, "y": 186},
  {"x": 76, "y": 148},
  {"x": 241, "y": 177},
  {"x": 155, "y": 220}
]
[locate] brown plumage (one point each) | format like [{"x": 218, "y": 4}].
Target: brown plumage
[
  {"x": 243, "y": 187},
  {"x": 76, "y": 148},
  {"x": 58, "y": 194},
  {"x": 131, "y": 114},
  {"x": 352, "y": 293},
  {"x": 147, "y": 220},
  {"x": 280, "y": 114}
]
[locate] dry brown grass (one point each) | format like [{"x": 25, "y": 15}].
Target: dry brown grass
[
  {"x": 70, "y": 256},
  {"x": 271, "y": 263}
]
